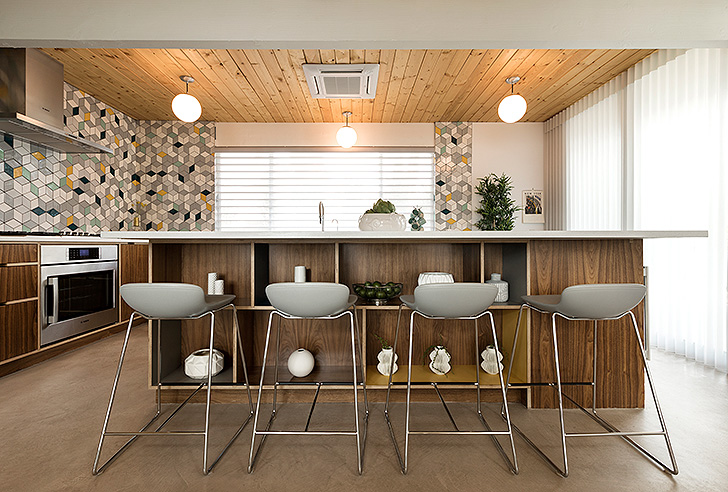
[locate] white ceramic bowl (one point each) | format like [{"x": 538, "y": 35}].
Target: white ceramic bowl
[
  {"x": 382, "y": 222},
  {"x": 435, "y": 278},
  {"x": 196, "y": 363}
]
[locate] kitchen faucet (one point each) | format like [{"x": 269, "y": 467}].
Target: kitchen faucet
[{"x": 321, "y": 215}]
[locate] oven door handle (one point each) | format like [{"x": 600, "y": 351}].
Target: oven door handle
[{"x": 52, "y": 313}]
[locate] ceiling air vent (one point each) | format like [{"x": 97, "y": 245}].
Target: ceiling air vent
[{"x": 342, "y": 81}]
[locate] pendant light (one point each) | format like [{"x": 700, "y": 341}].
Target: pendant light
[
  {"x": 346, "y": 136},
  {"x": 512, "y": 107},
  {"x": 185, "y": 106}
]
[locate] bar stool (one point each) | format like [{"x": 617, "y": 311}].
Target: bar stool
[
  {"x": 173, "y": 301},
  {"x": 594, "y": 302},
  {"x": 312, "y": 300},
  {"x": 464, "y": 301}
]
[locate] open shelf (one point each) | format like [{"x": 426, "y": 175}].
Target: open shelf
[
  {"x": 460, "y": 374},
  {"x": 178, "y": 378},
  {"x": 341, "y": 375}
]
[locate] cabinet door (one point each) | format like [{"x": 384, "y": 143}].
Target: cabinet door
[
  {"x": 134, "y": 266},
  {"x": 18, "y": 329},
  {"x": 18, "y": 282},
  {"x": 18, "y": 253}
]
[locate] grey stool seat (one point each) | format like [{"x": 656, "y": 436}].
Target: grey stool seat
[
  {"x": 592, "y": 302},
  {"x": 464, "y": 301},
  {"x": 173, "y": 301},
  {"x": 311, "y": 300}
]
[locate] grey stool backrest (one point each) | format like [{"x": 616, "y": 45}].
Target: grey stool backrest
[
  {"x": 165, "y": 300},
  {"x": 308, "y": 299},
  {"x": 597, "y": 301},
  {"x": 454, "y": 300}
]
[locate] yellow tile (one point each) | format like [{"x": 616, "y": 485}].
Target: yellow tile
[
  {"x": 69, "y": 220},
  {"x": 87, "y": 117},
  {"x": 116, "y": 139},
  {"x": 110, "y": 111},
  {"x": 450, "y": 221},
  {"x": 18, "y": 172},
  {"x": 162, "y": 192},
  {"x": 161, "y": 154},
  {"x": 465, "y": 159},
  {"x": 209, "y": 207},
  {"x": 437, "y": 130},
  {"x": 159, "y": 226},
  {"x": 467, "y": 229},
  {"x": 69, "y": 182},
  {"x": 69, "y": 170},
  {"x": 203, "y": 197},
  {"x": 197, "y": 130},
  {"x": 38, "y": 155},
  {"x": 135, "y": 182},
  {"x": 103, "y": 168},
  {"x": 109, "y": 197},
  {"x": 448, "y": 197}
]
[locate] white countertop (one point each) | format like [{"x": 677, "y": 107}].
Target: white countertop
[
  {"x": 389, "y": 235},
  {"x": 70, "y": 239}
]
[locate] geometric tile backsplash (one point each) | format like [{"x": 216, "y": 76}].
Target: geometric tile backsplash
[
  {"x": 158, "y": 164},
  {"x": 453, "y": 169}
]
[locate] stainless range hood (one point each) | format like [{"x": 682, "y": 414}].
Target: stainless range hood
[{"x": 31, "y": 102}]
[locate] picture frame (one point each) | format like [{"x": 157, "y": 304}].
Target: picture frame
[{"x": 533, "y": 207}]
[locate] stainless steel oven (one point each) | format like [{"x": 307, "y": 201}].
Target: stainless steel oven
[{"x": 78, "y": 289}]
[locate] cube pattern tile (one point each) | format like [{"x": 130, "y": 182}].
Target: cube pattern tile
[
  {"x": 49, "y": 191},
  {"x": 453, "y": 170},
  {"x": 175, "y": 185}
]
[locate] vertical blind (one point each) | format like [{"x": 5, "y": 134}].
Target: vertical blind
[
  {"x": 281, "y": 190},
  {"x": 661, "y": 128}
]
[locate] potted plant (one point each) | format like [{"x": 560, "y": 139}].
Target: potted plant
[
  {"x": 385, "y": 357},
  {"x": 382, "y": 217},
  {"x": 496, "y": 205}
]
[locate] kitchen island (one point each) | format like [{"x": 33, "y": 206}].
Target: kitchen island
[{"x": 533, "y": 262}]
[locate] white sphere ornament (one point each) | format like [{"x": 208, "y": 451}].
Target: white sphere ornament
[
  {"x": 346, "y": 137},
  {"x": 512, "y": 108},
  {"x": 300, "y": 363},
  {"x": 186, "y": 107}
]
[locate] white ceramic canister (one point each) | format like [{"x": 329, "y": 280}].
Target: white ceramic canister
[
  {"x": 385, "y": 361},
  {"x": 440, "y": 360},
  {"x": 382, "y": 222},
  {"x": 495, "y": 279},
  {"x": 300, "y": 363},
  {"x": 197, "y": 362},
  {"x": 491, "y": 360},
  {"x": 219, "y": 287},
  {"x": 435, "y": 278},
  {"x": 211, "y": 278},
  {"x": 299, "y": 274}
]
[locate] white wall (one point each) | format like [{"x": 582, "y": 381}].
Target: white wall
[
  {"x": 515, "y": 149},
  {"x": 322, "y": 134},
  {"x": 374, "y": 24}
]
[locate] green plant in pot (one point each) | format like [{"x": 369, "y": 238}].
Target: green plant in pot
[
  {"x": 382, "y": 217},
  {"x": 496, "y": 205}
]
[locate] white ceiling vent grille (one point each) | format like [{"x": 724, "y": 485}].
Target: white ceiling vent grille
[{"x": 342, "y": 81}]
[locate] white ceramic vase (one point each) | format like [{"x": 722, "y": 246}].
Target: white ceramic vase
[
  {"x": 300, "y": 363},
  {"x": 435, "y": 278},
  {"x": 385, "y": 361},
  {"x": 382, "y": 222},
  {"x": 440, "y": 360},
  {"x": 491, "y": 360},
  {"x": 495, "y": 279},
  {"x": 197, "y": 362}
]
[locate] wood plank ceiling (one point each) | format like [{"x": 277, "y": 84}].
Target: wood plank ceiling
[{"x": 269, "y": 85}]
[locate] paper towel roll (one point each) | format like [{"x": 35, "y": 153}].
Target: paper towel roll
[
  {"x": 211, "y": 278},
  {"x": 219, "y": 287}
]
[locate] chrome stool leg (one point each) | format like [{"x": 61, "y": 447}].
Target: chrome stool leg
[
  {"x": 389, "y": 388},
  {"x": 362, "y": 365},
  {"x": 251, "y": 459},
  {"x": 205, "y": 470},
  {"x": 409, "y": 390},
  {"x": 356, "y": 394}
]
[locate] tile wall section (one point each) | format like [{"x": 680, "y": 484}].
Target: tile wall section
[
  {"x": 166, "y": 167},
  {"x": 453, "y": 170}
]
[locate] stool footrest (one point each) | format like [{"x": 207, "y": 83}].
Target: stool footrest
[
  {"x": 160, "y": 433},
  {"x": 454, "y": 433},
  {"x": 305, "y": 433}
]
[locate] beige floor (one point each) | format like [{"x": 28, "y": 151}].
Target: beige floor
[{"x": 51, "y": 414}]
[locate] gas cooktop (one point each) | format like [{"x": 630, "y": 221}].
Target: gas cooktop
[{"x": 56, "y": 234}]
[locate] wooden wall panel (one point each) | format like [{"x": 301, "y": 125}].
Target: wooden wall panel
[
  {"x": 556, "y": 265},
  {"x": 134, "y": 267}
]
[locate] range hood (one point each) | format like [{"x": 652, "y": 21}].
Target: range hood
[{"x": 31, "y": 102}]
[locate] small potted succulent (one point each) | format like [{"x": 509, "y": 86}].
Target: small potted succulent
[{"x": 382, "y": 217}]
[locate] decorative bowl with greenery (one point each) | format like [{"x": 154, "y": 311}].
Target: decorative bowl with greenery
[
  {"x": 496, "y": 205},
  {"x": 382, "y": 217}
]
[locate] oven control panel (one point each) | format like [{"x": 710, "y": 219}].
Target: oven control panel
[{"x": 80, "y": 254}]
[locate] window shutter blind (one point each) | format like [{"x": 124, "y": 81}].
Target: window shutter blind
[{"x": 280, "y": 191}]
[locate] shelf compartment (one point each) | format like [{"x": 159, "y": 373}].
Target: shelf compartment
[
  {"x": 460, "y": 374},
  {"x": 335, "y": 375},
  {"x": 178, "y": 378}
]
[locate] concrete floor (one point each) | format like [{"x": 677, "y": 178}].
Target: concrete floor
[{"x": 51, "y": 415}]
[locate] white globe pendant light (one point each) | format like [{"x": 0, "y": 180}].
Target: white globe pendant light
[
  {"x": 185, "y": 106},
  {"x": 346, "y": 136},
  {"x": 512, "y": 107}
]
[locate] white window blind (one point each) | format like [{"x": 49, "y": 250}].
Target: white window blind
[{"x": 281, "y": 190}]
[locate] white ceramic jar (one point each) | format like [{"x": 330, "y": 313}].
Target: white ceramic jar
[
  {"x": 385, "y": 361},
  {"x": 300, "y": 363},
  {"x": 382, "y": 222},
  {"x": 491, "y": 360},
  {"x": 197, "y": 362},
  {"x": 495, "y": 279}
]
